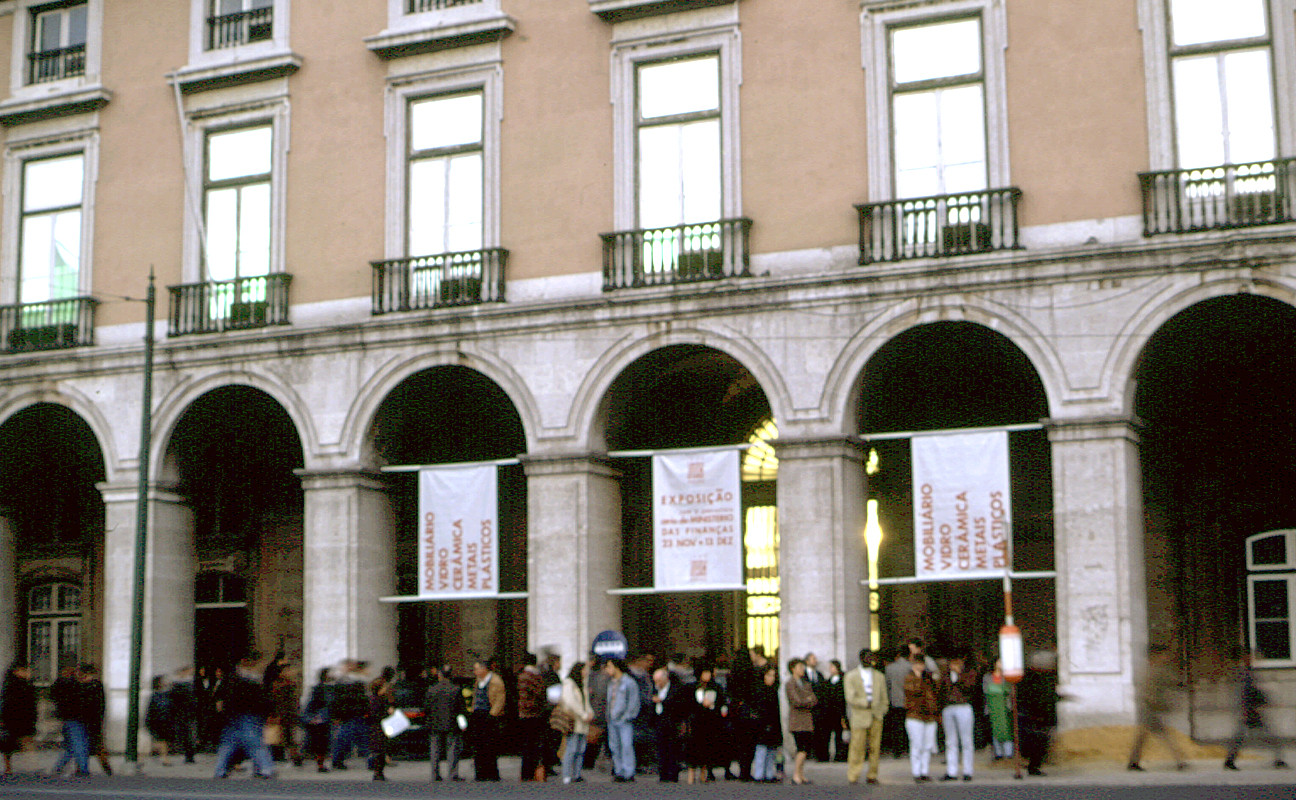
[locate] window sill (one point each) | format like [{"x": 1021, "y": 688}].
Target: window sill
[
  {"x": 619, "y": 10},
  {"x": 397, "y": 43},
  {"x": 27, "y": 107},
  {"x": 216, "y": 76}
]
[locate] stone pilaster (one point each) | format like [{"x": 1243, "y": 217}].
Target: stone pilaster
[
  {"x": 168, "y": 621},
  {"x": 348, "y": 563},
  {"x": 1100, "y": 588},
  {"x": 8, "y": 589},
  {"x": 822, "y": 493},
  {"x": 573, "y": 552}
]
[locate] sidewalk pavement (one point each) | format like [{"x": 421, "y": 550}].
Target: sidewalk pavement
[{"x": 1252, "y": 771}]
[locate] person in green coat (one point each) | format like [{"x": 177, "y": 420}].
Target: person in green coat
[{"x": 996, "y": 690}]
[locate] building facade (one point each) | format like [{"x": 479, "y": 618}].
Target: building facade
[{"x": 405, "y": 232}]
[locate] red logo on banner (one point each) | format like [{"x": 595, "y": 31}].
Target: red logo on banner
[
  {"x": 696, "y": 471},
  {"x": 698, "y": 570}
]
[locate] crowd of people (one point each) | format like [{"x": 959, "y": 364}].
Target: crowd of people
[{"x": 686, "y": 720}]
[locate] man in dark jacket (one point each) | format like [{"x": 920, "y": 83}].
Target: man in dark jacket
[
  {"x": 444, "y": 705},
  {"x": 66, "y": 694},
  {"x": 670, "y": 705},
  {"x": 350, "y": 704},
  {"x": 245, "y": 703},
  {"x": 93, "y": 705}
]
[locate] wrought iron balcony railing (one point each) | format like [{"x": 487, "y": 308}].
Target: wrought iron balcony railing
[
  {"x": 240, "y": 28},
  {"x": 48, "y": 325},
  {"x": 943, "y": 225},
  {"x": 417, "y": 6},
  {"x": 448, "y": 279},
  {"x": 239, "y": 304},
  {"x": 700, "y": 251},
  {"x": 1211, "y": 198},
  {"x": 44, "y": 66}
]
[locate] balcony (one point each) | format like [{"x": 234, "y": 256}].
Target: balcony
[
  {"x": 943, "y": 225},
  {"x": 48, "y": 325},
  {"x": 1215, "y": 198},
  {"x": 419, "y": 6},
  {"x": 243, "y": 27},
  {"x": 704, "y": 251},
  {"x": 240, "y": 304},
  {"x": 55, "y": 65},
  {"x": 440, "y": 281}
]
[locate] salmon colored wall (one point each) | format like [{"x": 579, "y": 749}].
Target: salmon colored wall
[
  {"x": 556, "y": 148},
  {"x": 1077, "y": 117},
  {"x": 802, "y": 115}
]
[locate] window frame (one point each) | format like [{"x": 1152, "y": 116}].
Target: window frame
[
  {"x": 24, "y": 40},
  {"x": 273, "y": 111},
  {"x": 456, "y": 77},
  {"x": 660, "y": 39},
  {"x": 447, "y": 152},
  {"x": 878, "y": 19},
  {"x": 56, "y": 617},
  {"x": 1285, "y": 572},
  {"x": 16, "y": 156},
  {"x": 238, "y": 184},
  {"x": 1154, "y": 19},
  {"x": 200, "y": 56}
]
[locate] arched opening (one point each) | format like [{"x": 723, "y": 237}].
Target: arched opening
[
  {"x": 1217, "y": 394},
  {"x": 50, "y": 465},
  {"x": 693, "y": 396},
  {"x": 945, "y": 376},
  {"x": 455, "y": 415},
  {"x": 236, "y": 451}
]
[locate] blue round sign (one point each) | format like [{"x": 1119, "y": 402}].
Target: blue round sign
[{"x": 610, "y": 644}]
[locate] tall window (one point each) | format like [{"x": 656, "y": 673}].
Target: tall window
[
  {"x": 1271, "y": 590},
  {"x": 1223, "y": 89},
  {"x": 938, "y": 108},
  {"x": 679, "y": 171},
  {"x": 53, "y": 629},
  {"x": 237, "y": 203},
  {"x": 58, "y": 42},
  {"x": 50, "y": 248},
  {"x": 445, "y": 180}
]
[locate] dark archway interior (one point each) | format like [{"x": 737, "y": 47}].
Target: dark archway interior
[
  {"x": 948, "y": 375},
  {"x": 454, "y": 415},
  {"x": 50, "y": 462},
  {"x": 236, "y": 450},
  {"x": 1217, "y": 394},
  {"x": 679, "y": 396}
]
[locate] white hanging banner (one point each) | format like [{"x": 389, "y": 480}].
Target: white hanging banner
[
  {"x": 697, "y": 522},
  {"x": 458, "y": 552},
  {"x": 961, "y": 504}
]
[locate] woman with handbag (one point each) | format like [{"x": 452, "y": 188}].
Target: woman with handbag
[{"x": 575, "y": 707}]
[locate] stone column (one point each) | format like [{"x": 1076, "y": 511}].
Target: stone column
[
  {"x": 1101, "y": 591},
  {"x": 168, "y": 623},
  {"x": 573, "y": 552},
  {"x": 9, "y": 589},
  {"x": 349, "y": 562},
  {"x": 822, "y": 494}
]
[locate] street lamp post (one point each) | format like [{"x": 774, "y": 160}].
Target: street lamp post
[{"x": 141, "y": 537}]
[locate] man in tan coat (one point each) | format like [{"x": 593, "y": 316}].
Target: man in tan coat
[{"x": 866, "y": 705}]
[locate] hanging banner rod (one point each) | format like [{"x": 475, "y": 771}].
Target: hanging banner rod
[
  {"x": 501, "y": 462},
  {"x": 414, "y": 598},
  {"x": 998, "y": 576},
  {"x": 636, "y": 590},
  {"x": 647, "y": 453},
  {"x": 878, "y": 437}
]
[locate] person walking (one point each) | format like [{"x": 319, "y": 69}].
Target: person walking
[
  {"x": 867, "y": 705},
  {"x": 767, "y": 728},
  {"x": 159, "y": 719},
  {"x": 958, "y": 683},
  {"x": 489, "y": 697},
  {"x": 575, "y": 700},
  {"x": 381, "y": 704},
  {"x": 17, "y": 712},
  {"x": 245, "y": 705},
  {"x": 532, "y": 720},
  {"x": 444, "y": 707},
  {"x": 801, "y": 703},
  {"x": 184, "y": 712},
  {"x": 922, "y": 709},
  {"x": 350, "y": 706},
  {"x": 93, "y": 705},
  {"x": 996, "y": 690},
  {"x": 622, "y": 708},
  {"x": 316, "y": 720},
  {"x": 1037, "y": 699},
  {"x": 1251, "y": 721},
  {"x": 1153, "y": 704},
  {"x": 67, "y": 697},
  {"x": 285, "y": 699}
]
